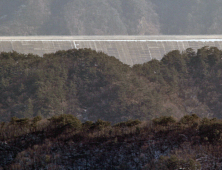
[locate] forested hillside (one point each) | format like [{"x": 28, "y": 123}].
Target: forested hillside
[
  {"x": 93, "y": 86},
  {"x": 109, "y": 17}
]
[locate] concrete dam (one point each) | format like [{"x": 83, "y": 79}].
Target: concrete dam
[{"x": 128, "y": 49}]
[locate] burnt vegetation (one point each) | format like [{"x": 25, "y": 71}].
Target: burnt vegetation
[{"x": 64, "y": 142}]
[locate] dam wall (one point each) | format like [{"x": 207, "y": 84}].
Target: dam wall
[{"x": 128, "y": 49}]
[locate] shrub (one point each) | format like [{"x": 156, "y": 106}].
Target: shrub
[
  {"x": 101, "y": 124},
  {"x": 174, "y": 162},
  {"x": 36, "y": 119},
  {"x": 188, "y": 119},
  {"x": 206, "y": 121},
  {"x": 87, "y": 125},
  {"x": 13, "y": 120},
  {"x": 20, "y": 122},
  {"x": 2, "y": 125},
  {"x": 211, "y": 131},
  {"x": 65, "y": 120},
  {"x": 164, "y": 120},
  {"x": 129, "y": 123}
]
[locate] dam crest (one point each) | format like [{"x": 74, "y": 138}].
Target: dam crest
[{"x": 128, "y": 49}]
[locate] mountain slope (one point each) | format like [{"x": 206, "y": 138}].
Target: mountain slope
[
  {"x": 93, "y": 86},
  {"x": 110, "y": 17},
  {"x": 54, "y": 17}
]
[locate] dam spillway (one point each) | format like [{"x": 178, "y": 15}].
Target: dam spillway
[{"x": 128, "y": 49}]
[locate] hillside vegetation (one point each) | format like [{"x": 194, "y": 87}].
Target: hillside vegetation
[
  {"x": 109, "y": 17},
  {"x": 92, "y": 86},
  {"x": 63, "y": 142}
]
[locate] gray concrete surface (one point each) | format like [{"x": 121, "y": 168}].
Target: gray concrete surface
[{"x": 128, "y": 49}]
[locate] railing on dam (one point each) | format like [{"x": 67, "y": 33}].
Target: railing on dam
[{"x": 128, "y": 49}]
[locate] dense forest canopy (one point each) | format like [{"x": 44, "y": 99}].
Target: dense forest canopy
[
  {"x": 109, "y": 17},
  {"x": 92, "y": 85}
]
